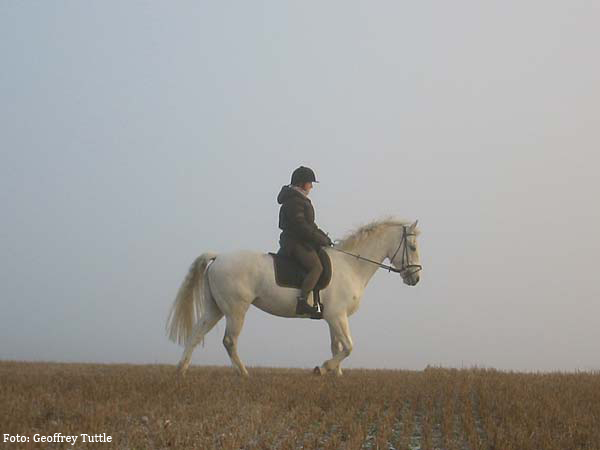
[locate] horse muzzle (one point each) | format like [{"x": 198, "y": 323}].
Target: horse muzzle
[
  {"x": 412, "y": 277},
  {"x": 412, "y": 280}
]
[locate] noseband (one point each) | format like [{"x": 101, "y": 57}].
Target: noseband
[{"x": 404, "y": 266}]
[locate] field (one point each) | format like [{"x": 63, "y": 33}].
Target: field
[{"x": 147, "y": 407}]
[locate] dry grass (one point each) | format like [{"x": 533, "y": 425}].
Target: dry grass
[{"x": 145, "y": 407}]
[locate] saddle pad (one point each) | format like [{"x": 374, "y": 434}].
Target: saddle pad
[{"x": 288, "y": 273}]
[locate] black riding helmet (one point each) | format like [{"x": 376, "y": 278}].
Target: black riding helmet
[{"x": 303, "y": 175}]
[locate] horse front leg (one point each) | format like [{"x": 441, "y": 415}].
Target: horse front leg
[
  {"x": 341, "y": 346},
  {"x": 336, "y": 347}
]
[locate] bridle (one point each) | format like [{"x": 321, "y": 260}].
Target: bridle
[{"x": 411, "y": 269}]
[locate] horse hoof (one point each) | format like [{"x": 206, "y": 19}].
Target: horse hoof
[
  {"x": 317, "y": 371},
  {"x": 180, "y": 371}
]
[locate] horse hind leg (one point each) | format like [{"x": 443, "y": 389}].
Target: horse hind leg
[
  {"x": 235, "y": 322},
  {"x": 206, "y": 323}
]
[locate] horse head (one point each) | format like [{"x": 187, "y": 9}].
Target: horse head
[{"x": 406, "y": 255}]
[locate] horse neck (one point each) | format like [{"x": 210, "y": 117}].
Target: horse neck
[{"x": 376, "y": 248}]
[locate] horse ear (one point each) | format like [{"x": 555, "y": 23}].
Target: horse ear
[{"x": 413, "y": 226}]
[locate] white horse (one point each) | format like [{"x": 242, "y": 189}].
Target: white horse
[{"x": 232, "y": 282}]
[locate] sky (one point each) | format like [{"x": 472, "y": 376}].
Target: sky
[{"x": 135, "y": 136}]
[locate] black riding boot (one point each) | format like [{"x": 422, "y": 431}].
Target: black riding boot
[{"x": 302, "y": 308}]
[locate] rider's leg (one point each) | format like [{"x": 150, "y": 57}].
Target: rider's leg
[
  {"x": 309, "y": 259},
  {"x": 311, "y": 262}
]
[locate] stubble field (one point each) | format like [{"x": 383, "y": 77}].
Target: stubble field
[{"x": 147, "y": 407}]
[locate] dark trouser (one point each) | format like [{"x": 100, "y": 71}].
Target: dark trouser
[{"x": 309, "y": 259}]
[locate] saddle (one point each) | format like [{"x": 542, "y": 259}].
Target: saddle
[{"x": 289, "y": 273}]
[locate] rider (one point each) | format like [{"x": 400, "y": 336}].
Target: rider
[{"x": 301, "y": 237}]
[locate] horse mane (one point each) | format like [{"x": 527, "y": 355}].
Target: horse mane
[{"x": 361, "y": 233}]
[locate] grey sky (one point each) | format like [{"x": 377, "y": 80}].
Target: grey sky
[{"x": 134, "y": 136}]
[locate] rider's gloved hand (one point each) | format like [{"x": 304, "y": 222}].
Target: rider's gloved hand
[{"x": 323, "y": 239}]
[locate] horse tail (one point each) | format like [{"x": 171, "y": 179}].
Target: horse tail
[{"x": 189, "y": 303}]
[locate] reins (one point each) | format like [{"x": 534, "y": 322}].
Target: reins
[{"x": 404, "y": 266}]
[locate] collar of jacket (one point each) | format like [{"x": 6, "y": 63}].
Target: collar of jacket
[{"x": 299, "y": 189}]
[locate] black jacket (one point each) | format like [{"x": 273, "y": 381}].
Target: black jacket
[{"x": 297, "y": 220}]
